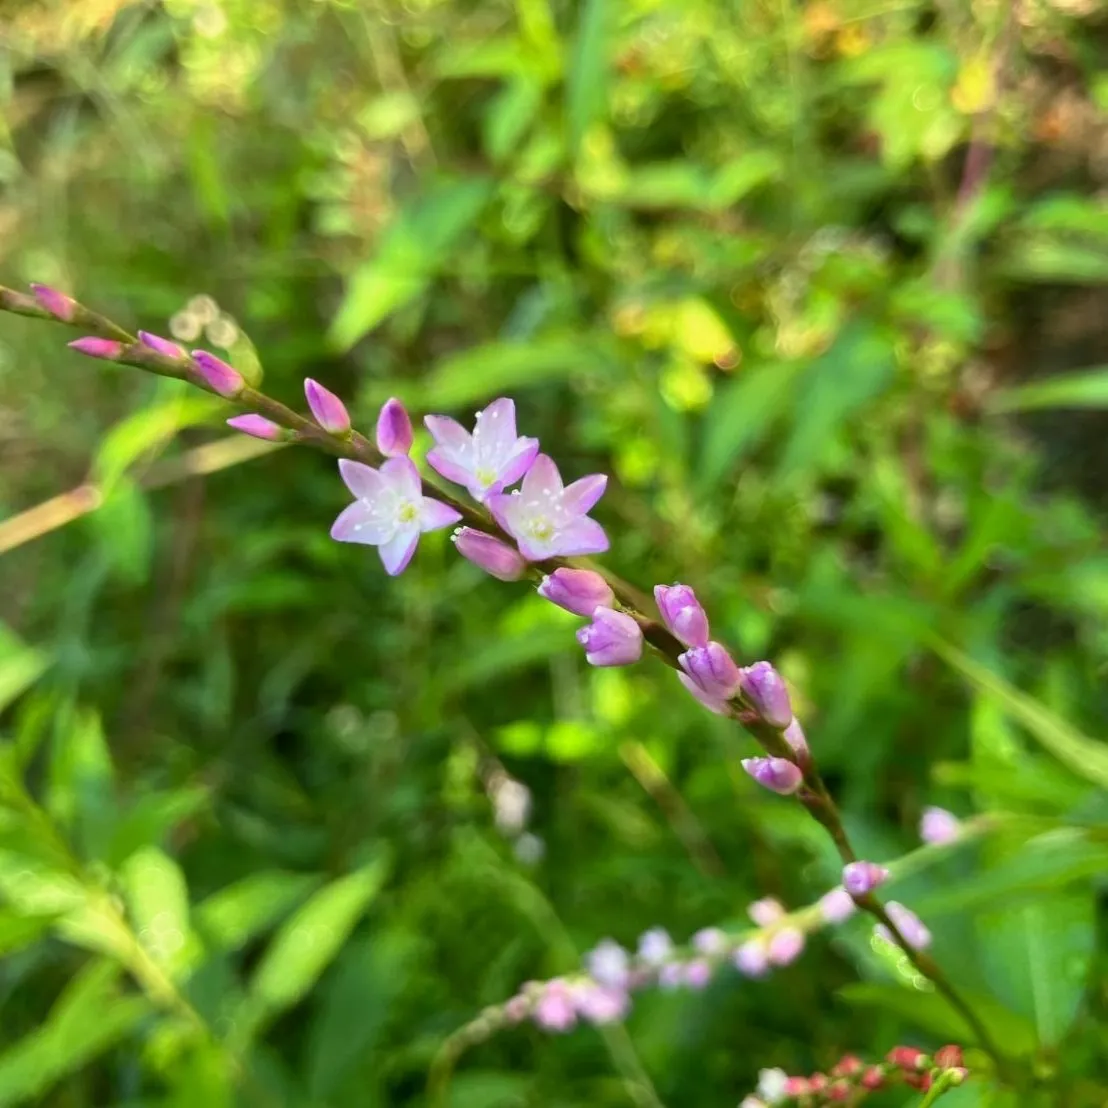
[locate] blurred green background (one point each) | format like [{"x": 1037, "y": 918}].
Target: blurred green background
[{"x": 821, "y": 284}]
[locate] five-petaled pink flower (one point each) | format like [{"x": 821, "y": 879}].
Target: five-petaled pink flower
[
  {"x": 486, "y": 461},
  {"x": 547, "y": 519},
  {"x": 390, "y": 511}
]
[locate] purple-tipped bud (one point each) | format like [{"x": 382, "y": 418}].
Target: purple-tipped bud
[
  {"x": 907, "y": 923},
  {"x": 682, "y": 613},
  {"x": 608, "y": 964},
  {"x": 710, "y": 941},
  {"x": 938, "y": 826},
  {"x": 794, "y": 736},
  {"x": 764, "y": 688},
  {"x": 577, "y": 590},
  {"x": 258, "y": 427},
  {"x": 329, "y": 411},
  {"x": 493, "y": 556},
  {"x": 765, "y": 912},
  {"x": 698, "y": 973},
  {"x": 860, "y": 878},
  {"x": 752, "y": 959},
  {"x": 107, "y": 349},
  {"x": 655, "y": 946},
  {"x": 777, "y": 774},
  {"x": 612, "y": 639},
  {"x": 713, "y": 671},
  {"x": 785, "y": 946},
  {"x": 56, "y": 303},
  {"x": 394, "y": 429},
  {"x": 161, "y": 346},
  {"x": 837, "y": 905},
  {"x": 218, "y": 375}
]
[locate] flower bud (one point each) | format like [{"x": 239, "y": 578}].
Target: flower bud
[
  {"x": 493, "y": 556},
  {"x": 107, "y": 349},
  {"x": 258, "y": 427},
  {"x": 794, "y": 736},
  {"x": 785, "y": 946},
  {"x": 655, "y": 946},
  {"x": 751, "y": 958},
  {"x": 554, "y": 1009},
  {"x": 938, "y": 826},
  {"x": 763, "y": 686},
  {"x": 577, "y": 590},
  {"x": 612, "y": 639},
  {"x": 600, "y": 1004},
  {"x": 329, "y": 411},
  {"x": 698, "y": 973},
  {"x": 860, "y": 878},
  {"x": 773, "y": 1084},
  {"x": 949, "y": 1056},
  {"x": 713, "y": 671},
  {"x": 836, "y": 906},
  {"x": 710, "y": 941},
  {"x": 873, "y": 1078},
  {"x": 56, "y": 303},
  {"x": 218, "y": 375},
  {"x": 908, "y": 924},
  {"x": 394, "y": 429},
  {"x": 682, "y": 613},
  {"x": 776, "y": 774},
  {"x": 797, "y": 1087},
  {"x": 608, "y": 964},
  {"x": 765, "y": 912},
  {"x": 909, "y": 1058},
  {"x": 849, "y": 1065},
  {"x": 161, "y": 346}
]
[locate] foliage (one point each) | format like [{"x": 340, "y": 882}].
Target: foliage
[{"x": 792, "y": 273}]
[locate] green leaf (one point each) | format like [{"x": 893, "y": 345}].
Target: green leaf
[
  {"x": 1085, "y": 756},
  {"x": 158, "y": 899},
  {"x": 1085, "y": 389},
  {"x": 20, "y": 666},
  {"x": 308, "y": 942},
  {"x": 81, "y": 772},
  {"x": 587, "y": 79},
  {"x": 510, "y": 116},
  {"x": 488, "y": 1089},
  {"x": 414, "y": 248},
  {"x": 1037, "y": 957},
  {"x": 230, "y": 918},
  {"x": 124, "y": 529},
  {"x": 16, "y": 932}
]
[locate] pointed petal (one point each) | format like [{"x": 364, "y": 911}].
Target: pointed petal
[
  {"x": 402, "y": 477},
  {"x": 453, "y": 471},
  {"x": 500, "y": 506},
  {"x": 541, "y": 477},
  {"x": 520, "y": 461},
  {"x": 358, "y": 523},
  {"x": 582, "y": 536},
  {"x": 583, "y": 494},
  {"x": 362, "y": 480},
  {"x": 450, "y": 435},
  {"x": 495, "y": 432},
  {"x": 536, "y": 550},
  {"x": 434, "y": 514},
  {"x": 398, "y": 551}
]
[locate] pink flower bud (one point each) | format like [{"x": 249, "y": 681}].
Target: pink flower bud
[
  {"x": 794, "y": 736},
  {"x": 394, "y": 429},
  {"x": 577, "y": 590},
  {"x": 775, "y": 774},
  {"x": 710, "y": 941},
  {"x": 698, "y": 973},
  {"x": 218, "y": 375},
  {"x": 608, "y": 964},
  {"x": 682, "y": 613},
  {"x": 493, "y": 556},
  {"x": 161, "y": 346},
  {"x": 836, "y": 905},
  {"x": 56, "y": 303},
  {"x": 860, "y": 878},
  {"x": 516, "y": 1009},
  {"x": 785, "y": 946},
  {"x": 655, "y": 946},
  {"x": 612, "y": 639},
  {"x": 329, "y": 411},
  {"x": 554, "y": 1010},
  {"x": 938, "y": 826},
  {"x": 258, "y": 427},
  {"x": 713, "y": 671},
  {"x": 765, "y": 912},
  {"x": 763, "y": 687},
  {"x": 600, "y": 1004},
  {"x": 752, "y": 958},
  {"x": 107, "y": 349},
  {"x": 907, "y": 923}
]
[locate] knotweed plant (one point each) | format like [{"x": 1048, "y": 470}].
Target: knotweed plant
[{"x": 518, "y": 518}]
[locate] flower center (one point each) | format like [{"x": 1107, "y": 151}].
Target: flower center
[
  {"x": 408, "y": 513},
  {"x": 541, "y": 529},
  {"x": 486, "y": 476}
]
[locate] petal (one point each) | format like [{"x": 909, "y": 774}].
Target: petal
[
  {"x": 494, "y": 434},
  {"x": 500, "y": 505},
  {"x": 359, "y": 523},
  {"x": 398, "y": 551},
  {"x": 583, "y": 494},
  {"x": 536, "y": 550},
  {"x": 449, "y": 434},
  {"x": 712, "y": 705},
  {"x": 362, "y": 480},
  {"x": 519, "y": 462},
  {"x": 454, "y": 471},
  {"x": 402, "y": 477},
  {"x": 434, "y": 514},
  {"x": 543, "y": 476},
  {"x": 582, "y": 536}
]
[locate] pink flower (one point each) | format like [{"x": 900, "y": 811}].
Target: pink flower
[
  {"x": 766, "y": 691},
  {"x": 712, "y": 673},
  {"x": 766, "y": 911},
  {"x": 390, "y": 511},
  {"x": 752, "y": 959},
  {"x": 608, "y": 964},
  {"x": 258, "y": 427},
  {"x": 682, "y": 613},
  {"x": 554, "y": 1010},
  {"x": 580, "y": 591},
  {"x": 161, "y": 346},
  {"x": 655, "y": 946},
  {"x": 612, "y": 639},
  {"x": 487, "y": 461},
  {"x": 495, "y": 557},
  {"x": 600, "y": 1004},
  {"x": 329, "y": 411},
  {"x": 218, "y": 375},
  {"x": 776, "y": 774},
  {"x": 785, "y": 946},
  {"x": 860, "y": 878},
  {"x": 92, "y": 347},
  {"x": 710, "y": 941},
  {"x": 938, "y": 826},
  {"x": 547, "y": 519},
  {"x": 394, "y": 429},
  {"x": 698, "y": 973},
  {"x": 56, "y": 303},
  {"x": 907, "y": 923},
  {"x": 837, "y": 905}
]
